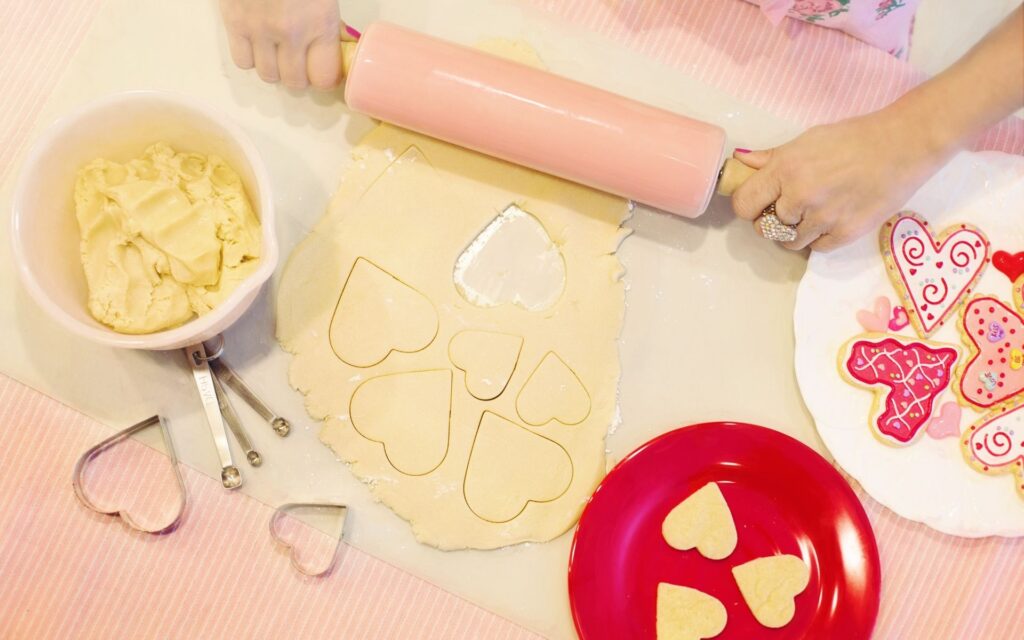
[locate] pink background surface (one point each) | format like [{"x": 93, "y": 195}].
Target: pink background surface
[{"x": 67, "y": 572}]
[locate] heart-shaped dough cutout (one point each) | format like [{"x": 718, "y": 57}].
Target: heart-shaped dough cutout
[
  {"x": 512, "y": 261},
  {"x": 510, "y": 467},
  {"x": 553, "y": 392},
  {"x": 688, "y": 614},
  {"x": 311, "y": 552},
  {"x": 703, "y": 521},
  {"x": 408, "y": 413},
  {"x": 488, "y": 360},
  {"x": 770, "y": 585},
  {"x": 376, "y": 314}
]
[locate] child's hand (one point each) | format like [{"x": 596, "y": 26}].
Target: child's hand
[
  {"x": 295, "y": 42},
  {"x": 838, "y": 182}
]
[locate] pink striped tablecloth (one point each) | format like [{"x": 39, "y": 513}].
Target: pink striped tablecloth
[{"x": 69, "y": 573}]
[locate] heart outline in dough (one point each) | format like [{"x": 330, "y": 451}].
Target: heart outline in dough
[
  {"x": 540, "y": 394},
  {"x": 386, "y": 300},
  {"x": 78, "y": 473},
  {"x": 770, "y": 586},
  {"x": 398, "y": 398},
  {"x": 530, "y": 466},
  {"x": 481, "y": 385},
  {"x": 293, "y": 553},
  {"x": 703, "y": 521},
  {"x": 685, "y": 613}
]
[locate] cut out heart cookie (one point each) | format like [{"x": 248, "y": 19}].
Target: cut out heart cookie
[
  {"x": 510, "y": 467},
  {"x": 907, "y": 377},
  {"x": 553, "y": 392},
  {"x": 488, "y": 360},
  {"x": 932, "y": 275},
  {"x": 377, "y": 314},
  {"x": 995, "y": 335},
  {"x": 995, "y": 445},
  {"x": 770, "y": 586},
  {"x": 704, "y": 521},
  {"x": 688, "y": 614},
  {"x": 408, "y": 413}
]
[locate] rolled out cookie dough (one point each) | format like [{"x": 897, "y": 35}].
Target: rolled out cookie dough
[{"x": 411, "y": 205}]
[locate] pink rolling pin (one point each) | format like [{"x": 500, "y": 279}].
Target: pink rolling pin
[{"x": 538, "y": 120}]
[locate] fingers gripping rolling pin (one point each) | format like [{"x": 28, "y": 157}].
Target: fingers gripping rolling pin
[{"x": 536, "y": 119}]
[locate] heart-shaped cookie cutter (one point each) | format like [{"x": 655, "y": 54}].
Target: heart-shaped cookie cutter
[
  {"x": 282, "y": 511},
  {"x": 84, "y": 460}
]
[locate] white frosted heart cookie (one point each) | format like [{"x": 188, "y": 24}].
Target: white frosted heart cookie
[
  {"x": 688, "y": 614},
  {"x": 703, "y": 521},
  {"x": 769, "y": 586}
]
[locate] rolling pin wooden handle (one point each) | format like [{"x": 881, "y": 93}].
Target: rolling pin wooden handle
[
  {"x": 348, "y": 56},
  {"x": 734, "y": 173}
]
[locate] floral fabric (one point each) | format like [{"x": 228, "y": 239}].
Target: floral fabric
[{"x": 885, "y": 24}]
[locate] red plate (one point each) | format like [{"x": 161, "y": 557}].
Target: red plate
[{"x": 784, "y": 497}]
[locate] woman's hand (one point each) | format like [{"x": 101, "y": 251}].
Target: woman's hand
[
  {"x": 295, "y": 42},
  {"x": 837, "y": 182}
]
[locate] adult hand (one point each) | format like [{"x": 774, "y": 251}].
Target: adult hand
[
  {"x": 296, "y": 42},
  {"x": 837, "y": 182}
]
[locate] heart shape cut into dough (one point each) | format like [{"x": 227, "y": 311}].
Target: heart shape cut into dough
[
  {"x": 688, "y": 614},
  {"x": 770, "y": 585},
  {"x": 510, "y": 467},
  {"x": 488, "y": 360},
  {"x": 377, "y": 314},
  {"x": 995, "y": 445},
  {"x": 311, "y": 552},
  {"x": 512, "y": 261},
  {"x": 703, "y": 521},
  {"x": 408, "y": 413},
  {"x": 553, "y": 392},
  {"x": 932, "y": 275}
]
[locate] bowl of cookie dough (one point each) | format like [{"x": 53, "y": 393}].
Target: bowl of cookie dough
[{"x": 144, "y": 220}]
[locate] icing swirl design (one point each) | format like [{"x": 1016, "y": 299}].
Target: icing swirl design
[
  {"x": 995, "y": 445},
  {"x": 932, "y": 275}
]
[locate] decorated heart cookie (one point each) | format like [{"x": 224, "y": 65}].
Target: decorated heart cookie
[
  {"x": 932, "y": 275},
  {"x": 995, "y": 445},
  {"x": 703, "y": 521},
  {"x": 995, "y": 335},
  {"x": 770, "y": 585},
  {"x": 688, "y": 614},
  {"x": 907, "y": 377}
]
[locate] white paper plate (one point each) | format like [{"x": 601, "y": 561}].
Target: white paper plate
[{"x": 927, "y": 481}]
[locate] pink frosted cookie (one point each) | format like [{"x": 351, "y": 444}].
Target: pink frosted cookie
[
  {"x": 995, "y": 445},
  {"x": 932, "y": 276},
  {"x": 995, "y": 335},
  {"x": 907, "y": 377}
]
